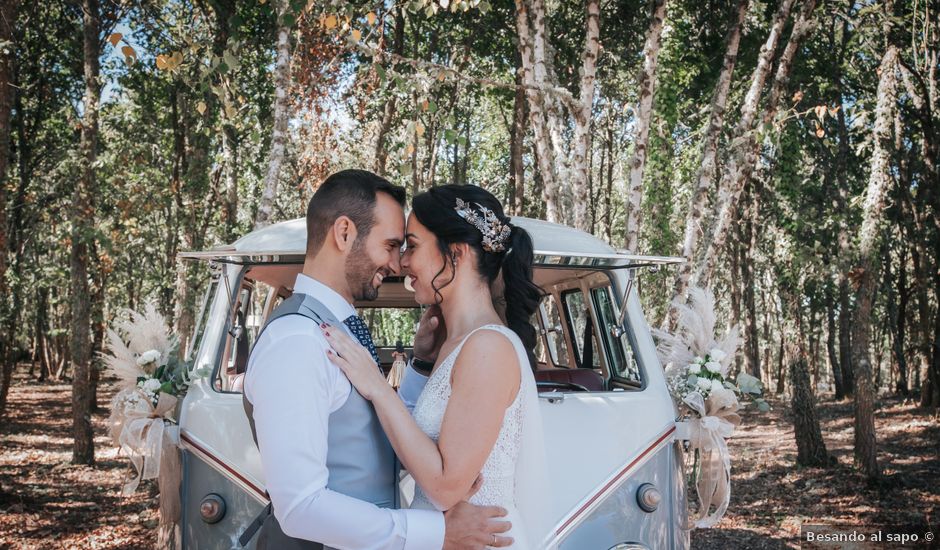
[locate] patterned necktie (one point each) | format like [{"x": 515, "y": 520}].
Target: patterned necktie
[{"x": 359, "y": 329}]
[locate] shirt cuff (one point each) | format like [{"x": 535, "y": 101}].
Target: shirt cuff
[
  {"x": 411, "y": 385},
  {"x": 424, "y": 530}
]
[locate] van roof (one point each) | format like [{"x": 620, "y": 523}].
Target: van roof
[{"x": 555, "y": 245}]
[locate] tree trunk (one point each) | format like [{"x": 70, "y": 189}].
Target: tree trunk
[
  {"x": 900, "y": 322},
  {"x": 516, "y": 145},
  {"x": 530, "y": 27},
  {"x": 97, "y": 329},
  {"x": 609, "y": 189},
  {"x": 7, "y": 91},
  {"x": 83, "y": 450},
  {"x": 581, "y": 162},
  {"x": 933, "y": 370},
  {"x": 749, "y": 283},
  {"x": 707, "y": 168},
  {"x": 811, "y": 449},
  {"x": 391, "y": 105},
  {"x": 42, "y": 332},
  {"x": 867, "y": 264},
  {"x": 223, "y": 11},
  {"x": 834, "y": 364},
  {"x": 744, "y": 149},
  {"x": 281, "y": 116},
  {"x": 644, "y": 114}
]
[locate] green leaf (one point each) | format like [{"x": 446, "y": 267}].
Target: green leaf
[
  {"x": 450, "y": 135},
  {"x": 484, "y": 7},
  {"x": 462, "y": 141},
  {"x": 288, "y": 20},
  {"x": 432, "y": 107},
  {"x": 750, "y": 384},
  {"x": 380, "y": 70},
  {"x": 230, "y": 60}
]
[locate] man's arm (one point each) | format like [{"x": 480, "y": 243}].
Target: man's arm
[{"x": 293, "y": 389}]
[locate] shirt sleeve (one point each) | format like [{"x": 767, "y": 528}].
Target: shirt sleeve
[
  {"x": 290, "y": 378},
  {"x": 411, "y": 386}
]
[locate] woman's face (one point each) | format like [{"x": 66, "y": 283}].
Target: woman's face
[{"x": 422, "y": 261}]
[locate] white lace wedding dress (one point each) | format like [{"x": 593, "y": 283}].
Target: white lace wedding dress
[{"x": 499, "y": 471}]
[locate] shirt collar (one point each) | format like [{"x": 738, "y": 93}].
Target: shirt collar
[{"x": 337, "y": 305}]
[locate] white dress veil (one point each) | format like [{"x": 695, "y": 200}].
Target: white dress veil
[{"x": 531, "y": 474}]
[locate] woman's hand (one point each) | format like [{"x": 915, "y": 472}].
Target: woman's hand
[{"x": 355, "y": 361}]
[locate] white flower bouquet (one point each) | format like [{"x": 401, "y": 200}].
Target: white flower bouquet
[
  {"x": 152, "y": 377},
  {"x": 697, "y": 366}
]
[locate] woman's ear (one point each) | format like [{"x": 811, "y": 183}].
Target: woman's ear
[{"x": 459, "y": 251}]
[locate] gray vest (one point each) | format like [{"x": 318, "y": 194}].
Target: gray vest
[{"x": 359, "y": 458}]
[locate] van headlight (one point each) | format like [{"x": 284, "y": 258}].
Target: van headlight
[
  {"x": 212, "y": 508},
  {"x": 648, "y": 497},
  {"x": 630, "y": 546}
]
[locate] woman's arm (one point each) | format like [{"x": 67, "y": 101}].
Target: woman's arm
[{"x": 485, "y": 380}]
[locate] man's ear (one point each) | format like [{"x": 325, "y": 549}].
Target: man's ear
[{"x": 344, "y": 233}]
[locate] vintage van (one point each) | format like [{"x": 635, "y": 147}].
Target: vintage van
[{"x": 615, "y": 464}]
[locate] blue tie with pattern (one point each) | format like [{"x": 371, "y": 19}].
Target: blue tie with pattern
[{"x": 359, "y": 329}]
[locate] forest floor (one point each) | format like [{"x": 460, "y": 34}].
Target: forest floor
[{"x": 46, "y": 502}]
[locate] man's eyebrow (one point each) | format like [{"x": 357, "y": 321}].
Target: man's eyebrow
[{"x": 395, "y": 241}]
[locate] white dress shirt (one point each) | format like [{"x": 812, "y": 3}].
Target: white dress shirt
[{"x": 294, "y": 388}]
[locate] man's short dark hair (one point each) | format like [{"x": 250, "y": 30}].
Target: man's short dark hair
[{"x": 350, "y": 193}]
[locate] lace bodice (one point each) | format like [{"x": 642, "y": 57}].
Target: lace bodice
[{"x": 499, "y": 468}]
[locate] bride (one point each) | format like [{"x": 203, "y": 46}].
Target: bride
[{"x": 478, "y": 414}]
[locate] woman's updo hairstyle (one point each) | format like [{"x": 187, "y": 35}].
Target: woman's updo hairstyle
[{"x": 436, "y": 209}]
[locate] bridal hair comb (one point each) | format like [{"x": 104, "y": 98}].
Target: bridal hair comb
[{"x": 495, "y": 232}]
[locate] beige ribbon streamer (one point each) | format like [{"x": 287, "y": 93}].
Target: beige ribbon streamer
[
  {"x": 151, "y": 443},
  {"x": 718, "y": 419}
]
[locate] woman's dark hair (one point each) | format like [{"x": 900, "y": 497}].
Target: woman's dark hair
[{"x": 435, "y": 209}]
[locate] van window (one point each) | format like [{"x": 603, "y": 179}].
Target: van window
[
  {"x": 623, "y": 364},
  {"x": 586, "y": 352},
  {"x": 390, "y": 325},
  {"x": 252, "y": 304},
  {"x": 554, "y": 332}
]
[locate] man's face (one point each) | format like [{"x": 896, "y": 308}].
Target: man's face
[{"x": 376, "y": 255}]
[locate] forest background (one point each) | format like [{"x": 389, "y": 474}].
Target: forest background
[{"x": 787, "y": 148}]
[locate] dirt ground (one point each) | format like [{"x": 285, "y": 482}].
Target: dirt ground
[{"x": 45, "y": 502}]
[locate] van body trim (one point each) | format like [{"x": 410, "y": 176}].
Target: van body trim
[
  {"x": 224, "y": 468},
  {"x": 598, "y": 496}
]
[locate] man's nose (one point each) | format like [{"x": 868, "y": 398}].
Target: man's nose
[{"x": 395, "y": 262}]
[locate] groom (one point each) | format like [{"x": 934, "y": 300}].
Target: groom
[{"x": 329, "y": 469}]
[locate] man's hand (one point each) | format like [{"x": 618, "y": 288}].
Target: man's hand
[
  {"x": 469, "y": 527},
  {"x": 431, "y": 334}
]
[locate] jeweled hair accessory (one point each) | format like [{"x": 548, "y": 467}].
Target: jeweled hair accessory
[{"x": 495, "y": 232}]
